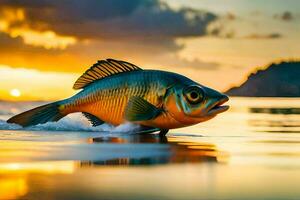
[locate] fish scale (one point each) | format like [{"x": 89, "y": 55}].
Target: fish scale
[
  {"x": 112, "y": 110},
  {"x": 114, "y": 92}
]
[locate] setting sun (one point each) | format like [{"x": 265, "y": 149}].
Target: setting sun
[{"x": 15, "y": 93}]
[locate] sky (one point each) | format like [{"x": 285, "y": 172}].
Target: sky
[{"x": 45, "y": 45}]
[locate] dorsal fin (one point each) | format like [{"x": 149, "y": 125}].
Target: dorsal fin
[{"x": 102, "y": 69}]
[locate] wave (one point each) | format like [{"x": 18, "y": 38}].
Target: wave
[{"x": 74, "y": 122}]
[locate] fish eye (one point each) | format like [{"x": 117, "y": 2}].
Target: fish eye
[{"x": 194, "y": 94}]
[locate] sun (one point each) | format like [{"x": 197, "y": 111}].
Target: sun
[{"x": 15, "y": 93}]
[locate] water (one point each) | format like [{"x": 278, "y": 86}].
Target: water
[{"x": 250, "y": 152}]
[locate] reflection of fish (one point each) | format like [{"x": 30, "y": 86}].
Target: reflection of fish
[
  {"x": 166, "y": 150},
  {"x": 117, "y": 91}
]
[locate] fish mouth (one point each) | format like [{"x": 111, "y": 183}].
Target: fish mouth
[{"x": 218, "y": 107}]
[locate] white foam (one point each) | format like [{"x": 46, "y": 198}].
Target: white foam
[
  {"x": 126, "y": 128},
  {"x": 74, "y": 122},
  {"x": 6, "y": 126}
]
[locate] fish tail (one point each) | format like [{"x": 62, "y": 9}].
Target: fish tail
[{"x": 47, "y": 113}]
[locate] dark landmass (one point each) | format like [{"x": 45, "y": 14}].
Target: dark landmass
[{"x": 277, "y": 80}]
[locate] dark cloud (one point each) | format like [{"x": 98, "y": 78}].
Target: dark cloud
[
  {"x": 8, "y": 43},
  {"x": 113, "y": 18},
  {"x": 221, "y": 32},
  {"x": 268, "y": 36},
  {"x": 79, "y": 57},
  {"x": 195, "y": 64},
  {"x": 222, "y": 26},
  {"x": 140, "y": 31},
  {"x": 285, "y": 16}
]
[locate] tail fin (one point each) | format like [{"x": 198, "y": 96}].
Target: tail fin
[{"x": 40, "y": 115}]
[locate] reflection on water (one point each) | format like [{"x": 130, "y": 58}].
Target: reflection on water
[
  {"x": 178, "y": 151},
  {"x": 12, "y": 187},
  {"x": 250, "y": 152},
  {"x": 276, "y": 119},
  {"x": 45, "y": 167},
  {"x": 18, "y": 179},
  {"x": 275, "y": 123},
  {"x": 117, "y": 149},
  {"x": 285, "y": 111}
]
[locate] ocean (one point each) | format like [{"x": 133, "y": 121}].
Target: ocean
[{"x": 250, "y": 152}]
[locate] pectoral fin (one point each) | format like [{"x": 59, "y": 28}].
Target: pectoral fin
[
  {"x": 138, "y": 109},
  {"x": 95, "y": 121}
]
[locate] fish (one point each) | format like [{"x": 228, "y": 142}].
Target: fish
[{"x": 115, "y": 92}]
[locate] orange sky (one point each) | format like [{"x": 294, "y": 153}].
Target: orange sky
[{"x": 41, "y": 58}]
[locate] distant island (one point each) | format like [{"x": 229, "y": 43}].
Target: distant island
[{"x": 277, "y": 80}]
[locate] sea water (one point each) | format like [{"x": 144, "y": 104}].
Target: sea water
[{"x": 250, "y": 152}]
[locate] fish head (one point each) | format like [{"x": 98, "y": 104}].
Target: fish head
[{"x": 193, "y": 103}]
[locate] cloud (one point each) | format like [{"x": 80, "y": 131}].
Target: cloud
[
  {"x": 231, "y": 26},
  {"x": 223, "y": 27},
  {"x": 113, "y": 19},
  {"x": 77, "y": 58},
  {"x": 267, "y": 36},
  {"x": 285, "y": 16},
  {"x": 16, "y": 45},
  {"x": 13, "y": 23},
  {"x": 71, "y": 35},
  {"x": 221, "y": 31}
]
